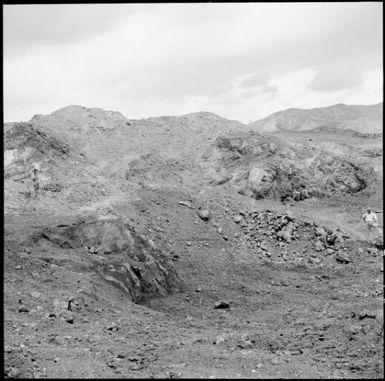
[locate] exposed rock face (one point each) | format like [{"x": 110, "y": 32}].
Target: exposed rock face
[
  {"x": 259, "y": 182},
  {"x": 25, "y": 144},
  {"x": 266, "y": 167},
  {"x": 130, "y": 261}
]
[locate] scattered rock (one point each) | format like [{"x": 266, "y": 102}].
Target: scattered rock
[
  {"x": 186, "y": 203},
  {"x": 113, "y": 327},
  {"x": 238, "y": 219},
  {"x": 204, "y": 214},
  {"x": 7, "y": 349},
  {"x": 23, "y": 308},
  {"x": 66, "y": 315},
  {"x": 342, "y": 257},
  {"x": 319, "y": 246},
  {"x": 35, "y": 294},
  {"x": 219, "y": 340},
  {"x": 246, "y": 344},
  {"x": 18, "y": 267},
  {"x": 372, "y": 251},
  {"x": 188, "y": 243},
  {"x": 76, "y": 304},
  {"x": 222, "y": 304},
  {"x": 366, "y": 314}
]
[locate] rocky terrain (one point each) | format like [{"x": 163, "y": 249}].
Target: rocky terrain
[
  {"x": 172, "y": 247},
  {"x": 363, "y": 119}
]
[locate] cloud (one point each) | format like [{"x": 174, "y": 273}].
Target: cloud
[
  {"x": 137, "y": 58},
  {"x": 249, "y": 94},
  {"x": 336, "y": 77},
  {"x": 28, "y": 26},
  {"x": 269, "y": 89},
  {"x": 258, "y": 79}
]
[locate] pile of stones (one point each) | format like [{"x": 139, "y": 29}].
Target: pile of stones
[{"x": 269, "y": 228}]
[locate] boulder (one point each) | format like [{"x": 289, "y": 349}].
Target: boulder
[
  {"x": 238, "y": 219},
  {"x": 343, "y": 257},
  {"x": 259, "y": 182},
  {"x": 204, "y": 214},
  {"x": 319, "y": 246},
  {"x": 185, "y": 203},
  {"x": 66, "y": 315},
  {"x": 222, "y": 304}
]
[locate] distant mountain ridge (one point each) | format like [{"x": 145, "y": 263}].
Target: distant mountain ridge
[{"x": 365, "y": 119}]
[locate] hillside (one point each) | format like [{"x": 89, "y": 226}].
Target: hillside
[
  {"x": 365, "y": 119},
  {"x": 173, "y": 247}
]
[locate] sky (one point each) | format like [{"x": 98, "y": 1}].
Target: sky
[{"x": 242, "y": 61}]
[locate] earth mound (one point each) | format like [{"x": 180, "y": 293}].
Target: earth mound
[
  {"x": 81, "y": 119},
  {"x": 123, "y": 257}
]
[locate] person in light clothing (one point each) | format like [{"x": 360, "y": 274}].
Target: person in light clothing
[{"x": 370, "y": 219}]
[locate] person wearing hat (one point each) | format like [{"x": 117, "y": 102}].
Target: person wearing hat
[{"x": 370, "y": 219}]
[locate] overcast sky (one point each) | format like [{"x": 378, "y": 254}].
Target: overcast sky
[{"x": 240, "y": 61}]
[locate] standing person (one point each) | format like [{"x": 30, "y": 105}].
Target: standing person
[
  {"x": 296, "y": 194},
  {"x": 370, "y": 219},
  {"x": 304, "y": 193},
  {"x": 35, "y": 181}
]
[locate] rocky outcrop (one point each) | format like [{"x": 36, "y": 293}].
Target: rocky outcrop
[
  {"x": 266, "y": 167},
  {"x": 24, "y": 145},
  {"x": 130, "y": 262}
]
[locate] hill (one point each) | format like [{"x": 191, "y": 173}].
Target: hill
[{"x": 365, "y": 119}]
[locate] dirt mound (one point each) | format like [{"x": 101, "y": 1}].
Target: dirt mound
[
  {"x": 123, "y": 257},
  {"x": 266, "y": 167},
  {"x": 81, "y": 119}
]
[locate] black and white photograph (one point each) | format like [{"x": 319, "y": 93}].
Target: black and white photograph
[{"x": 193, "y": 190}]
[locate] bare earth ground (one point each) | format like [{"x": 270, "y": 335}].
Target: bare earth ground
[
  {"x": 304, "y": 314},
  {"x": 285, "y": 320}
]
